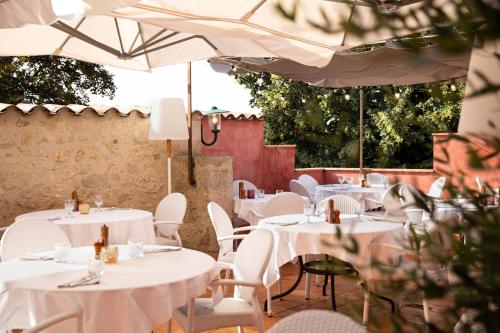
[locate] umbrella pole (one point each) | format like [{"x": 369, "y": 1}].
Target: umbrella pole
[
  {"x": 192, "y": 181},
  {"x": 361, "y": 129}
]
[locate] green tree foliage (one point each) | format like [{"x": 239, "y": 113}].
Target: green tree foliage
[
  {"x": 325, "y": 126},
  {"x": 51, "y": 79}
]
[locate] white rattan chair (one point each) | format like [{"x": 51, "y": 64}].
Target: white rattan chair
[
  {"x": 236, "y": 186},
  {"x": 225, "y": 232},
  {"x": 281, "y": 204},
  {"x": 391, "y": 201},
  {"x": 317, "y": 321},
  {"x": 437, "y": 187},
  {"x": 243, "y": 309},
  {"x": 26, "y": 236},
  {"x": 345, "y": 204},
  {"x": 169, "y": 216},
  {"x": 479, "y": 183},
  {"x": 297, "y": 187},
  {"x": 76, "y": 314},
  {"x": 399, "y": 264},
  {"x": 377, "y": 178},
  {"x": 309, "y": 183}
]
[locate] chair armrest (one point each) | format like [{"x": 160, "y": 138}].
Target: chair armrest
[
  {"x": 219, "y": 239},
  {"x": 374, "y": 201},
  {"x": 255, "y": 213},
  {"x": 166, "y": 222},
  {"x": 249, "y": 228},
  {"x": 230, "y": 282},
  {"x": 224, "y": 265}
]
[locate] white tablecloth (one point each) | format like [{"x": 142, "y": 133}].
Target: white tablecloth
[
  {"x": 242, "y": 207},
  {"x": 84, "y": 230},
  {"x": 358, "y": 193},
  {"x": 134, "y": 295},
  {"x": 319, "y": 237}
]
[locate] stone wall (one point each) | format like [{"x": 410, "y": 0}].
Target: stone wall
[{"x": 43, "y": 158}]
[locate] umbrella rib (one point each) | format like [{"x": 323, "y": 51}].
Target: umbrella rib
[
  {"x": 144, "y": 46},
  {"x": 139, "y": 27},
  {"x": 63, "y": 44},
  {"x": 167, "y": 45},
  {"x": 247, "y": 16},
  {"x": 349, "y": 21},
  {"x": 229, "y": 20},
  {"x": 77, "y": 34},
  {"x": 119, "y": 35}
]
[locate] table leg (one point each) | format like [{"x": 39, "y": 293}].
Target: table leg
[{"x": 290, "y": 290}]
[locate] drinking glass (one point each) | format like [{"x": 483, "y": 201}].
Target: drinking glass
[
  {"x": 98, "y": 201},
  {"x": 260, "y": 193},
  {"x": 279, "y": 191},
  {"x": 360, "y": 179},
  {"x": 69, "y": 205},
  {"x": 308, "y": 211},
  {"x": 350, "y": 180},
  {"x": 95, "y": 267},
  {"x": 62, "y": 251},
  {"x": 358, "y": 212},
  {"x": 341, "y": 179},
  {"x": 135, "y": 247}
]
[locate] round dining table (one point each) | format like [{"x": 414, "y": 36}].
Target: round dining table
[
  {"x": 294, "y": 237},
  {"x": 358, "y": 193},
  {"x": 242, "y": 207},
  {"x": 85, "y": 229},
  {"x": 134, "y": 295}
]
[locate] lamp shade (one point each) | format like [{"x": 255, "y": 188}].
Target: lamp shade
[{"x": 168, "y": 122}]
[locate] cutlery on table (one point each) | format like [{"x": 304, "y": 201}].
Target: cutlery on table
[
  {"x": 85, "y": 281},
  {"x": 161, "y": 249}
]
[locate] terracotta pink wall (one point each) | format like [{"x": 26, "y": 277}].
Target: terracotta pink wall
[
  {"x": 451, "y": 157},
  {"x": 272, "y": 167}
]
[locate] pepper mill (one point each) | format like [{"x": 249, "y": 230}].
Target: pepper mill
[
  {"x": 337, "y": 217},
  {"x": 330, "y": 215},
  {"x": 74, "y": 196},
  {"x": 104, "y": 235}
]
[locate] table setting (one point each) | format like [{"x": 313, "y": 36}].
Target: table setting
[
  {"x": 82, "y": 225},
  {"x": 242, "y": 207},
  {"x": 135, "y": 293},
  {"x": 355, "y": 191}
]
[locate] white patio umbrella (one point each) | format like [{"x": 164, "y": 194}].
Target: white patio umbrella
[{"x": 147, "y": 34}]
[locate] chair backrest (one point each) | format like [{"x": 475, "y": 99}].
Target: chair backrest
[
  {"x": 317, "y": 321},
  {"x": 236, "y": 186},
  {"x": 408, "y": 196},
  {"x": 437, "y": 187},
  {"x": 309, "y": 183},
  {"x": 345, "y": 204},
  {"x": 251, "y": 260},
  {"x": 377, "y": 178},
  {"x": 26, "y": 236},
  {"x": 222, "y": 225},
  {"x": 54, "y": 320},
  {"x": 283, "y": 204},
  {"x": 172, "y": 208},
  {"x": 297, "y": 187},
  {"x": 392, "y": 201},
  {"x": 479, "y": 183}
]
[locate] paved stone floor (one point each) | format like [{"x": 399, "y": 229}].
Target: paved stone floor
[{"x": 348, "y": 296}]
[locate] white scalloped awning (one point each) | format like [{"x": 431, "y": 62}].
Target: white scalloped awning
[{"x": 100, "y": 110}]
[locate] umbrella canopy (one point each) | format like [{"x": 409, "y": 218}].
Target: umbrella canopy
[
  {"x": 382, "y": 66},
  {"x": 147, "y": 34}
]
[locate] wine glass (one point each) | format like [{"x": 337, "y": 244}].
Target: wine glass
[
  {"x": 358, "y": 211},
  {"x": 350, "y": 180},
  {"x": 308, "y": 211},
  {"x": 341, "y": 179},
  {"x": 98, "y": 201},
  {"x": 360, "y": 179},
  {"x": 69, "y": 205}
]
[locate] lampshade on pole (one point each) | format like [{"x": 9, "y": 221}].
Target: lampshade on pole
[{"x": 168, "y": 122}]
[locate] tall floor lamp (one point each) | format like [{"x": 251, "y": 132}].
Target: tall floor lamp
[{"x": 168, "y": 122}]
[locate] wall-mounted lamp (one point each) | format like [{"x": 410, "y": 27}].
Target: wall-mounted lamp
[{"x": 214, "y": 122}]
